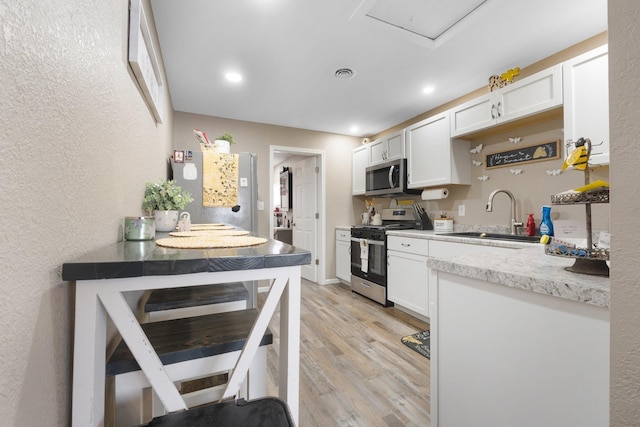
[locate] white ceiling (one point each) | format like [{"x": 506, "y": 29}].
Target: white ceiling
[{"x": 289, "y": 50}]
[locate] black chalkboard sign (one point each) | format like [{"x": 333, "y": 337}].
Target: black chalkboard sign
[{"x": 533, "y": 153}]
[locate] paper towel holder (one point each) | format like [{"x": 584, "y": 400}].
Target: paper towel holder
[{"x": 435, "y": 194}]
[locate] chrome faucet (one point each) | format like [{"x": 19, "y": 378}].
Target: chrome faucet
[{"x": 514, "y": 224}]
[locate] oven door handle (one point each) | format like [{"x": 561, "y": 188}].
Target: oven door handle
[{"x": 369, "y": 242}]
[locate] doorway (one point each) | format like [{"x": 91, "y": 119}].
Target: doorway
[{"x": 308, "y": 221}]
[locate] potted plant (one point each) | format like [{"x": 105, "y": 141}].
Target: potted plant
[
  {"x": 165, "y": 199},
  {"x": 222, "y": 143}
]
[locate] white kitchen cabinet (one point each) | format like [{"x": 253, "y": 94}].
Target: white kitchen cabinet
[
  {"x": 513, "y": 357},
  {"x": 343, "y": 255},
  {"x": 586, "y": 102},
  {"x": 360, "y": 159},
  {"x": 433, "y": 158},
  {"x": 534, "y": 94},
  {"x": 387, "y": 148},
  {"x": 408, "y": 274},
  {"x": 410, "y": 282}
]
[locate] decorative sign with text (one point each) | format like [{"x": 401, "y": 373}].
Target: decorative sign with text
[{"x": 520, "y": 155}]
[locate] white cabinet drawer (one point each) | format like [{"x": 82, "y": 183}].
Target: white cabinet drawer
[
  {"x": 343, "y": 235},
  {"x": 409, "y": 245}
]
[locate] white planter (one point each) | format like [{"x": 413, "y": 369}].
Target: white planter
[
  {"x": 166, "y": 220},
  {"x": 222, "y": 146}
]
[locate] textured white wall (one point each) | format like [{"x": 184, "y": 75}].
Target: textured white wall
[
  {"x": 77, "y": 144},
  {"x": 624, "y": 39}
]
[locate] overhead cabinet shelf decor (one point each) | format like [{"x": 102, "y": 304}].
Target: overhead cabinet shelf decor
[{"x": 534, "y": 94}]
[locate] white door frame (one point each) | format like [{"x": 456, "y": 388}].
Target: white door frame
[{"x": 320, "y": 195}]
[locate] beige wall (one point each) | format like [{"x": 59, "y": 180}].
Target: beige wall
[
  {"x": 77, "y": 143},
  {"x": 624, "y": 60},
  {"x": 256, "y": 138}
]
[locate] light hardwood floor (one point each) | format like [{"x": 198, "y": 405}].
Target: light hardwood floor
[{"x": 354, "y": 371}]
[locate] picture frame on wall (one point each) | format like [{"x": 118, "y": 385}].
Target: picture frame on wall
[{"x": 143, "y": 59}]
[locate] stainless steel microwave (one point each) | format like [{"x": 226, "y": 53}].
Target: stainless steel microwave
[{"x": 388, "y": 179}]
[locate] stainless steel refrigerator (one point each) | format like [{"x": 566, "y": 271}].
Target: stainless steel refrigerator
[{"x": 243, "y": 215}]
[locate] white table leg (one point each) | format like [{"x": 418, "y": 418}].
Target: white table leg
[
  {"x": 141, "y": 348},
  {"x": 289, "y": 384},
  {"x": 255, "y": 336},
  {"x": 88, "y": 358}
]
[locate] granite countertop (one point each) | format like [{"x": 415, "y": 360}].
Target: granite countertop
[
  {"x": 343, "y": 227},
  {"x": 145, "y": 258},
  {"x": 526, "y": 267}
]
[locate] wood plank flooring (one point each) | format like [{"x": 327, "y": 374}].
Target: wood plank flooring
[{"x": 354, "y": 371}]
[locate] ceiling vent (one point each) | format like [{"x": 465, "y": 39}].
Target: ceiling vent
[{"x": 344, "y": 73}]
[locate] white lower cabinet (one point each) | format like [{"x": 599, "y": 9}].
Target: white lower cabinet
[
  {"x": 408, "y": 274},
  {"x": 513, "y": 357},
  {"x": 343, "y": 255},
  {"x": 409, "y": 278}
]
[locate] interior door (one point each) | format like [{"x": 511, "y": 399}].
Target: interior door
[{"x": 305, "y": 208}]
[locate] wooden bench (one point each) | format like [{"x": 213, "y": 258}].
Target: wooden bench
[
  {"x": 190, "y": 348},
  {"x": 174, "y": 303}
]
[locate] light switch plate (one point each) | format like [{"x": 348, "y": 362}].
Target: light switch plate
[
  {"x": 243, "y": 182},
  {"x": 461, "y": 210},
  {"x": 260, "y": 205}
]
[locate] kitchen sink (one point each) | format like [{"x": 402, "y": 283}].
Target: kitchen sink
[{"x": 495, "y": 236}]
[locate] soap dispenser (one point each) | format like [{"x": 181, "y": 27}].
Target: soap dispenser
[
  {"x": 546, "y": 226},
  {"x": 531, "y": 226}
]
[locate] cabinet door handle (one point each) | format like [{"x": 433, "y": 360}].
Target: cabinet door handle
[
  {"x": 499, "y": 109},
  {"x": 493, "y": 107},
  {"x": 406, "y": 245}
]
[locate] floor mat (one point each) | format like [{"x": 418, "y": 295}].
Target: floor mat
[{"x": 420, "y": 342}]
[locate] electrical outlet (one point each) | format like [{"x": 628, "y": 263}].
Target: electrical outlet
[
  {"x": 461, "y": 210},
  {"x": 243, "y": 182},
  {"x": 260, "y": 205}
]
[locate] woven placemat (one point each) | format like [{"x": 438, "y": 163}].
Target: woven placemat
[
  {"x": 195, "y": 227},
  {"x": 210, "y": 242},
  {"x": 205, "y": 233}
]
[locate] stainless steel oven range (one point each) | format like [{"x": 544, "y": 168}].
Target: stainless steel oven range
[{"x": 369, "y": 251}]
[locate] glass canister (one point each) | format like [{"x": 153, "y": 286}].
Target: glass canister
[{"x": 139, "y": 228}]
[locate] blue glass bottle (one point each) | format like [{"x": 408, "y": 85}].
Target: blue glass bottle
[{"x": 546, "y": 226}]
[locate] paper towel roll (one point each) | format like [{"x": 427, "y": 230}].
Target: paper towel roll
[{"x": 435, "y": 194}]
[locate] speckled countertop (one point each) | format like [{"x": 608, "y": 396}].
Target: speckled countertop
[{"x": 527, "y": 267}]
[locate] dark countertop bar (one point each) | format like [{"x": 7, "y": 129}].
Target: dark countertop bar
[{"x": 145, "y": 258}]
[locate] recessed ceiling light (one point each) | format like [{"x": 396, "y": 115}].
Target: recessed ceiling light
[
  {"x": 428, "y": 90},
  {"x": 233, "y": 77},
  {"x": 354, "y": 129},
  {"x": 344, "y": 73}
]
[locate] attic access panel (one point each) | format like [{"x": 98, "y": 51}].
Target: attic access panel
[{"x": 430, "y": 19}]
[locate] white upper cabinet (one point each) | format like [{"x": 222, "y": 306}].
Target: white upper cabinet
[
  {"x": 360, "y": 159},
  {"x": 534, "y": 94},
  {"x": 586, "y": 102},
  {"x": 433, "y": 158},
  {"x": 386, "y": 149}
]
